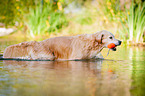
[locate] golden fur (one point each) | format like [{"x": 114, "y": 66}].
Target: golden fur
[{"x": 85, "y": 46}]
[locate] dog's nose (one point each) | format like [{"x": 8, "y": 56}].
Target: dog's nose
[{"x": 119, "y": 42}]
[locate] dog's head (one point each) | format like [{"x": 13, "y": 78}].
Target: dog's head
[{"x": 105, "y": 37}]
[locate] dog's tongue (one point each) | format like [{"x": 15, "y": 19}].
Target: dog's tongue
[{"x": 113, "y": 49}]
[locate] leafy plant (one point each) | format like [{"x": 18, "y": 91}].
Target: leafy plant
[
  {"x": 139, "y": 22},
  {"x": 48, "y": 19},
  {"x": 134, "y": 25},
  {"x": 35, "y": 21},
  {"x": 57, "y": 21},
  {"x": 10, "y": 10}
]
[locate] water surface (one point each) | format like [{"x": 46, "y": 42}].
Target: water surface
[{"x": 122, "y": 73}]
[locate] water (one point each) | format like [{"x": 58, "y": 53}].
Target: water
[{"x": 122, "y": 73}]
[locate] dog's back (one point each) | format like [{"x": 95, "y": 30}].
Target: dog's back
[{"x": 59, "y": 46}]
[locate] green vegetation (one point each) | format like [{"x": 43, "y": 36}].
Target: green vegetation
[
  {"x": 46, "y": 17},
  {"x": 35, "y": 21},
  {"x": 134, "y": 25},
  {"x": 39, "y": 21}
]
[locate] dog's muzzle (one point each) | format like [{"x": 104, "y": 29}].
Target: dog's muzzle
[{"x": 119, "y": 43}]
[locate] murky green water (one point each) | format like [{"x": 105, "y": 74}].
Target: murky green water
[{"x": 121, "y": 74}]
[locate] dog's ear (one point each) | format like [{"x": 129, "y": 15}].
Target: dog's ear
[
  {"x": 102, "y": 37},
  {"x": 99, "y": 38}
]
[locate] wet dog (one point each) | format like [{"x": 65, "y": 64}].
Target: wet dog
[{"x": 85, "y": 46}]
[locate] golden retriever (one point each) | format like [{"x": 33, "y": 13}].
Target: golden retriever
[{"x": 85, "y": 46}]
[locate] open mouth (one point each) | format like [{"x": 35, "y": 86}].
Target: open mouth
[
  {"x": 113, "y": 49},
  {"x": 112, "y": 46}
]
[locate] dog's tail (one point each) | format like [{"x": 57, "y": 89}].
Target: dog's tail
[{"x": 8, "y": 52}]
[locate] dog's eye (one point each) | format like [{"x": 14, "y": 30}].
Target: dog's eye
[{"x": 110, "y": 37}]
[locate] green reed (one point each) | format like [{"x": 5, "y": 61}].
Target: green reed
[{"x": 134, "y": 24}]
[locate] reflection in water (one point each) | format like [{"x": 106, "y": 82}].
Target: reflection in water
[
  {"x": 138, "y": 71},
  {"x": 64, "y": 78}
]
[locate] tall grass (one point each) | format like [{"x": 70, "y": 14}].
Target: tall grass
[
  {"x": 134, "y": 25},
  {"x": 140, "y": 22},
  {"x": 35, "y": 21},
  {"x": 40, "y": 21}
]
